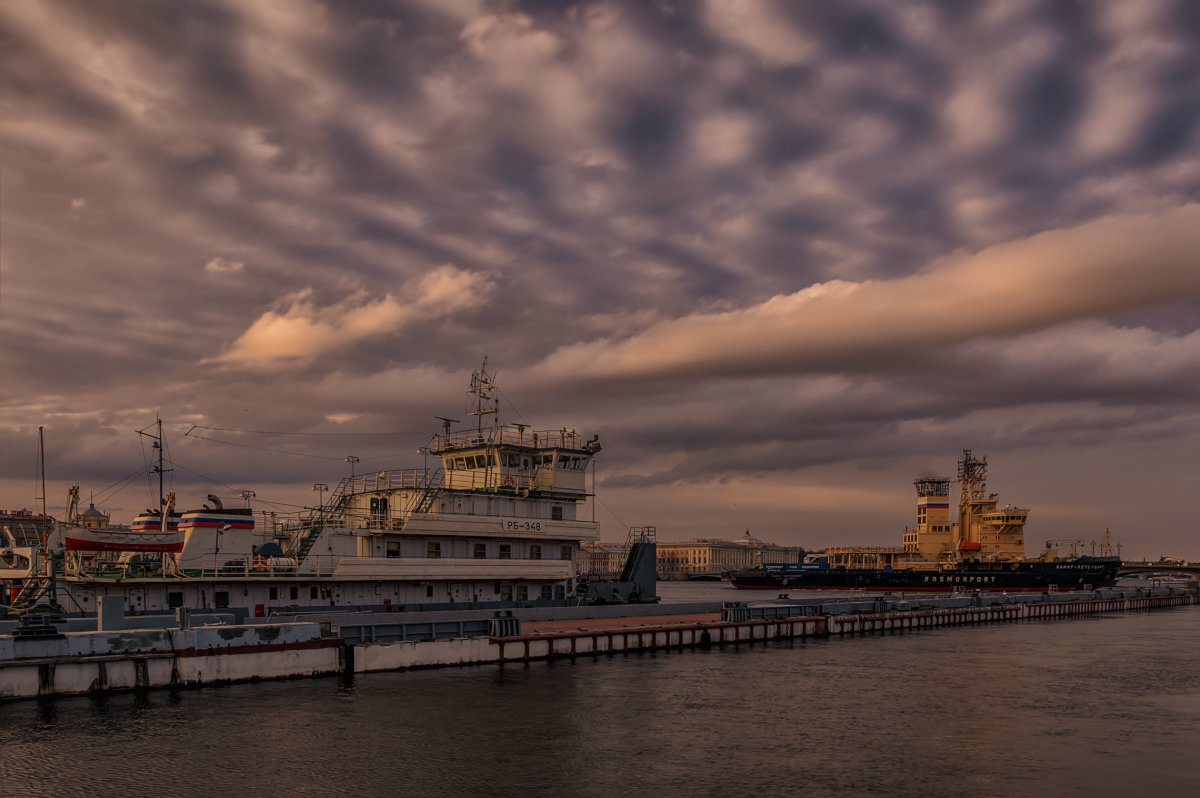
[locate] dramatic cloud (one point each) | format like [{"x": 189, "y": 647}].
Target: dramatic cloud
[
  {"x": 781, "y": 256},
  {"x": 1106, "y": 267},
  {"x": 301, "y": 331},
  {"x": 218, "y": 265}
]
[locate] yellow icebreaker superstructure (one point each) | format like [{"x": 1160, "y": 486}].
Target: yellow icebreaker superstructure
[{"x": 981, "y": 530}]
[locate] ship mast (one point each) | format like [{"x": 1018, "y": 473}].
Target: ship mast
[
  {"x": 42, "y": 468},
  {"x": 157, "y": 468},
  {"x": 483, "y": 387},
  {"x": 972, "y": 485}
]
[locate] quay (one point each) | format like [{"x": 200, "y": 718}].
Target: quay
[{"x": 112, "y": 651}]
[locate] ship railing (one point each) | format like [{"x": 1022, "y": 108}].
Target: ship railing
[
  {"x": 219, "y": 566},
  {"x": 864, "y": 549},
  {"x": 513, "y": 436},
  {"x": 381, "y": 481}
]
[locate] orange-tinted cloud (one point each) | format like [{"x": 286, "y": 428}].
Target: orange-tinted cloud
[{"x": 1105, "y": 267}]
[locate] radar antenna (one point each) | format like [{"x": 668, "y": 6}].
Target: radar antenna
[{"x": 483, "y": 386}]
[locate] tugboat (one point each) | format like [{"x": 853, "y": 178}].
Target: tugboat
[
  {"x": 497, "y": 524},
  {"x": 983, "y": 550}
]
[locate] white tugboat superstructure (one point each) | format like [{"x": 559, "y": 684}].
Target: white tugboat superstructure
[{"x": 499, "y": 521}]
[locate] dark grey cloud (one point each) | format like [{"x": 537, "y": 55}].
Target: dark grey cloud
[{"x": 584, "y": 173}]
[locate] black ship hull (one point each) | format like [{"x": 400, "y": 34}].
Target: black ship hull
[{"x": 1081, "y": 574}]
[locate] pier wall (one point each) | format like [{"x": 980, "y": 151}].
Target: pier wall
[
  {"x": 86, "y": 662},
  {"x": 373, "y": 657},
  {"x": 80, "y": 662}
]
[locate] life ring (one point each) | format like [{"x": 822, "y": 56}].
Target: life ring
[
  {"x": 509, "y": 482},
  {"x": 258, "y": 563}
]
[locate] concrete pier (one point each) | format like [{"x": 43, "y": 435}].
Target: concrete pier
[
  {"x": 735, "y": 626},
  {"x": 113, "y": 654}
]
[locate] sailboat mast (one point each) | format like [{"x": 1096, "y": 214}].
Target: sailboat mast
[
  {"x": 42, "y": 470},
  {"x": 158, "y": 443}
]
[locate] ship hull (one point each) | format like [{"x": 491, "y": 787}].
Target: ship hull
[{"x": 1083, "y": 574}]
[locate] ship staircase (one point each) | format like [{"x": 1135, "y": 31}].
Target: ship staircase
[
  {"x": 314, "y": 524},
  {"x": 423, "y": 500},
  {"x": 31, "y": 592},
  {"x": 637, "y": 581},
  {"x": 642, "y": 551}
]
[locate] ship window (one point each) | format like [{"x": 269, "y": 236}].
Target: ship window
[
  {"x": 312, "y": 592},
  {"x": 564, "y": 553},
  {"x": 221, "y": 598},
  {"x": 274, "y": 593},
  {"x": 460, "y": 463},
  {"x": 433, "y": 549},
  {"x": 526, "y": 463},
  {"x": 546, "y": 592},
  {"x": 560, "y": 592},
  {"x": 295, "y": 593},
  {"x": 175, "y": 599},
  {"x": 393, "y": 548},
  {"x": 556, "y": 513},
  {"x": 506, "y": 592},
  {"x": 522, "y": 592},
  {"x": 535, "y": 552},
  {"x": 428, "y": 591},
  {"x": 481, "y": 551},
  {"x": 505, "y": 551}
]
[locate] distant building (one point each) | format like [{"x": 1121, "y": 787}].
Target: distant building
[
  {"x": 601, "y": 560},
  {"x": 23, "y": 528},
  {"x": 713, "y": 557}
]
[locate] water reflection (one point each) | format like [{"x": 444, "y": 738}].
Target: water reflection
[{"x": 1107, "y": 705}]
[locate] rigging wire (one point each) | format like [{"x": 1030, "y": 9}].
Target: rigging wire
[
  {"x": 262, "y": 448},
  {"x": 611, "y": 512},
  {"x": 210, "y": 479},
  {"x": 310, "y": 434},
  {"x": 510, "y": 402},
  {"x": 116, "y": 487}
]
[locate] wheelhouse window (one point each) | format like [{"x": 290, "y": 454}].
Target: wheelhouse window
[
  {"x": 393, "y": 548},
  {"x": 556, "y": 513}
]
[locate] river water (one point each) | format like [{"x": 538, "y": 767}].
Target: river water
[{"x": 1108, "y": 705}]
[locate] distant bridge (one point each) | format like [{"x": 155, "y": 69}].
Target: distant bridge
[{"x": 1128, "y": 568}]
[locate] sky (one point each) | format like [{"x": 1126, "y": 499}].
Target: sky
[{"x": 783, "y": 258}]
